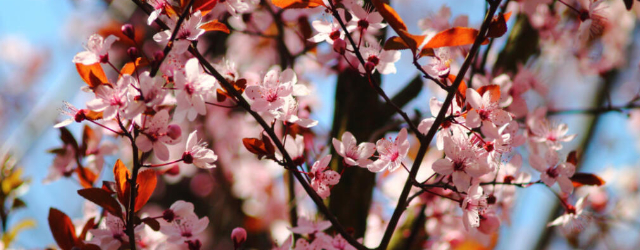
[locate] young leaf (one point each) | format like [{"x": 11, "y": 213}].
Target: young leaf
[
  {"x": 62, "y": 229},
  {"x": 580, "y": 179},
  {"x": 204, "y": 6},
  {"x": 121, "y": 174},
  {"x": 390, "y": 15},
  {"x": 90, "y": 224},
  {"x": 297, "y": 4},
  {"x": 102, "y": 198},
  {"x": 259, "y": 147},
  {"x": 572, "y": 158},
  {"x": 498, "y": 25},
  {"x": 461, "y": 93},
  {"x": 494, "y": 92},
  {"x": 395, "y": 43},
  {"x": 92, "y": 74},
  {"x": 146, "y": 184},
  {"x": 130, "y": 67},
  {"x": 152, "y": 223},
  {"x": 456, "y": 36},
  {"x": 86, "y": 177},
  {"x": 215, "y": 25}
]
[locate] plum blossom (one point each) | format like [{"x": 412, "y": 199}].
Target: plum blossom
[
  {"x": 289, "y": 113},
  {"x": 157, "y": 134},
  {"x": 329, "y": 31},
  {"x": 95, "y": 151},
  {"x": 184, "y": 229},
  {"x": 365, "y": 20},
  {"x": 237, "y": 7},
  {"x": 391, "y": 153},
  {"x": 270, "y": 94},
  {"x": 77, "y": 115},
  {"x": 440, "y": 65},
  {"x": 542, "y": 131},
  {"x": 189, "y": 31},
  {"x": 306, "y": 226},
  {"x": 380, "y": 59},
  {"x": 574, "y": 220},
  {"x": 97, "y": 50},
  {"x": 111, "y": 101},
  {"x": 485, "y": 109},
  {"x": 198, "y": 153},
  {"x": 63, "y": 164},
  {"x": 322, "y": 177},
  {"x": 295, "y": 149},
  {"x": 461, "y": 163},
  {"x": 593, "y": 20},
  {"x": 286, "y": 245},
  {"x": 552, "y": 172},
  {"x": 354, "y": 154},
  {"x": 193, "y": 88},
  {"x": 111, "y": 235},
  {"x": 150, "y": 94},
  {"x": 447, "y": 127},
  {"x": 158, "y": 7},
  {"x": 472, "y": 205},
  {"x": 179, "y": 209}
]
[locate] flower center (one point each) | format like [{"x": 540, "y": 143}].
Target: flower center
[
  {"x": 373, "y": 59},
  {"x": 363, "y": 24},
  {"x": 334, "y": 35}
]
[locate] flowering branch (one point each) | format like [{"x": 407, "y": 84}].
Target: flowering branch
[
  {"x": 167, "y": 48},
  {"x": 424, "y": 141}
]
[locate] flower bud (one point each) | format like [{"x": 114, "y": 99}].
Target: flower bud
[
  {"x": 489, "y": 223},
  {"x": 132, "y": 53},
  {"x": 158, "y": 56},
  {"x": 369, "y": 66},
  {"x": 174, "y": 131},
  {"x": 238, "y": 236},
  {"x": 128, "y": 31},
  {"x": 339, "y": 46}
]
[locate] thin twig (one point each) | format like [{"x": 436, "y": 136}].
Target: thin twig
[{"x": 169, "y": 45}]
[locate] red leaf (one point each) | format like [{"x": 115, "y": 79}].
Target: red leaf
[
  {"x": 62, "y": 229},
  {"x": 204, "y": 6},
  {"x": 580, "y": 179},
  {"x": 498, "y": 25},
  {"x": 390, "y": 15},
  {"x": 215, "y": 25},
  {"x": 130, "y": 67},
  {"x": 90, "y": 224},
  {"x": 572, "y": 158},
  {"x": 395, "y": 43},
  {"x": 146, "y": 184},
  {"x": 92, "y": 74},
  {"x": 456, "y": 36},
  {"x": 86, "y": 177},
  {"x": 259, "y": 147},
  {"x": 461, "y": 93},
  {"x": 152, "y": 223},
  {"x": 494, "y": 92},
  {"x": 297, "y": 4},
  {"x": 102, "y": 198},
  {"x": 121, "y": 174}
]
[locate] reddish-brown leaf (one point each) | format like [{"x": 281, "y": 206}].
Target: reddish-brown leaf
[
  {"x": 427, "y": 52},
  {"x": 498, "y": 25},
  {"x": 461, "y": 93},
  {"x": 456, "y": 36},
  {"x": 240, "y": 85},
  {"x": 92, "y": 115},
  {"x": 68, "y": 139},
  {"x": 580, "y": 179},
  {"x": 258, "y": 147},
  {"x": 62, "y": 229},
  {"x": 494, "y": 92},
  {"x": 87, "y": 135},
  {"x": 389, "y": 15},
  {"x": 221, "y": 96},
  {"x": 413, "y": 41},
  {"x": 90, "y": 224},
  {"x": 86, "y": 176},
  {"x": 215, "y": 25},
  {"x": 92, "y": 74},
  {"x": 572, "y": 158},
  {"x": 204, "y": 6},
  {"x": 152, "y": 223},
  {"x": 121, "y": 174},
  {"x": 395, "y": 43},
  {"x": 130, "y": 67},
  {"x": 102, "y": 198},
  {"x": 109, "y": 186},
  {"x": 297, "y": 4},
  {"x": 146, "y": 184}
]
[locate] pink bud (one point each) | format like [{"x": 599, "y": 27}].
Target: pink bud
[
  {"x": 132, "y": 52},
  {"x": 369, "y": 66},
  {"x": 128, "y": 31},
  {"x": 489, "y": 223},
  {"x": 158, "y": 56},
  {"x": 174, "y": 131},
  {"x": 339, "y": 46},
  {"x": 239, "y": 236}
]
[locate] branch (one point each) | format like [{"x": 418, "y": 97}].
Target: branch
[
  {"x": 408, "y": 93},
  {"x": 594, "y": 111},
  {"x": 424, "y": 142},
  {"x": 167, "y": 48}
]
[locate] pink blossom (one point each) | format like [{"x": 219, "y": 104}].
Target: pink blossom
[
  {"x": 95, "y": 151},
  {"x": 306, "y": 226},
  {"x": 238, "y": 236},
  {"x": 189, "y": 31},
  {"x": 158, "y": 7},
  {"x": 484, "y": 109},
  {"x": 354, "y": 154},
  {"x": 472, "y": 206},
  {"x": 447, "y": 127},
  {"x": 380, "y": 59},
  {"x": 329, "y": 31},
  {"x": 289, "y": 113},
  {"x": 111, "y": 100},
  {"x": 111, "y": 235},
  {"x": 391, "y": 153},
  {"x": 179, "y": 209},
  {"x": 157, "y": 134},
  {"x": 593, "y": 20},
  {"x": 322, "y": 177},
  {"x": 63, "y": 164},
  {"x": 77, "y": 115},
  {"x": 574, "y": 220},
  {"x": 440, "y": 65},
  {"x": 193, "y": 88},
  {"x": 97, "y": 50},
  {"x": 148, "y": 93},
  {"x": 198, "y": 153},
  {"x": 551, "y": 171},
  {"x": 461, "y": 163},
  {"x": 542, "y": 131},
  {"x": 295, "y": 149},
  {"x": 271, "y": 93},
  {"x": 365, "y": 20},
  {"x": 286, "y": 245},
  {"x": 184, "y": 229}
]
